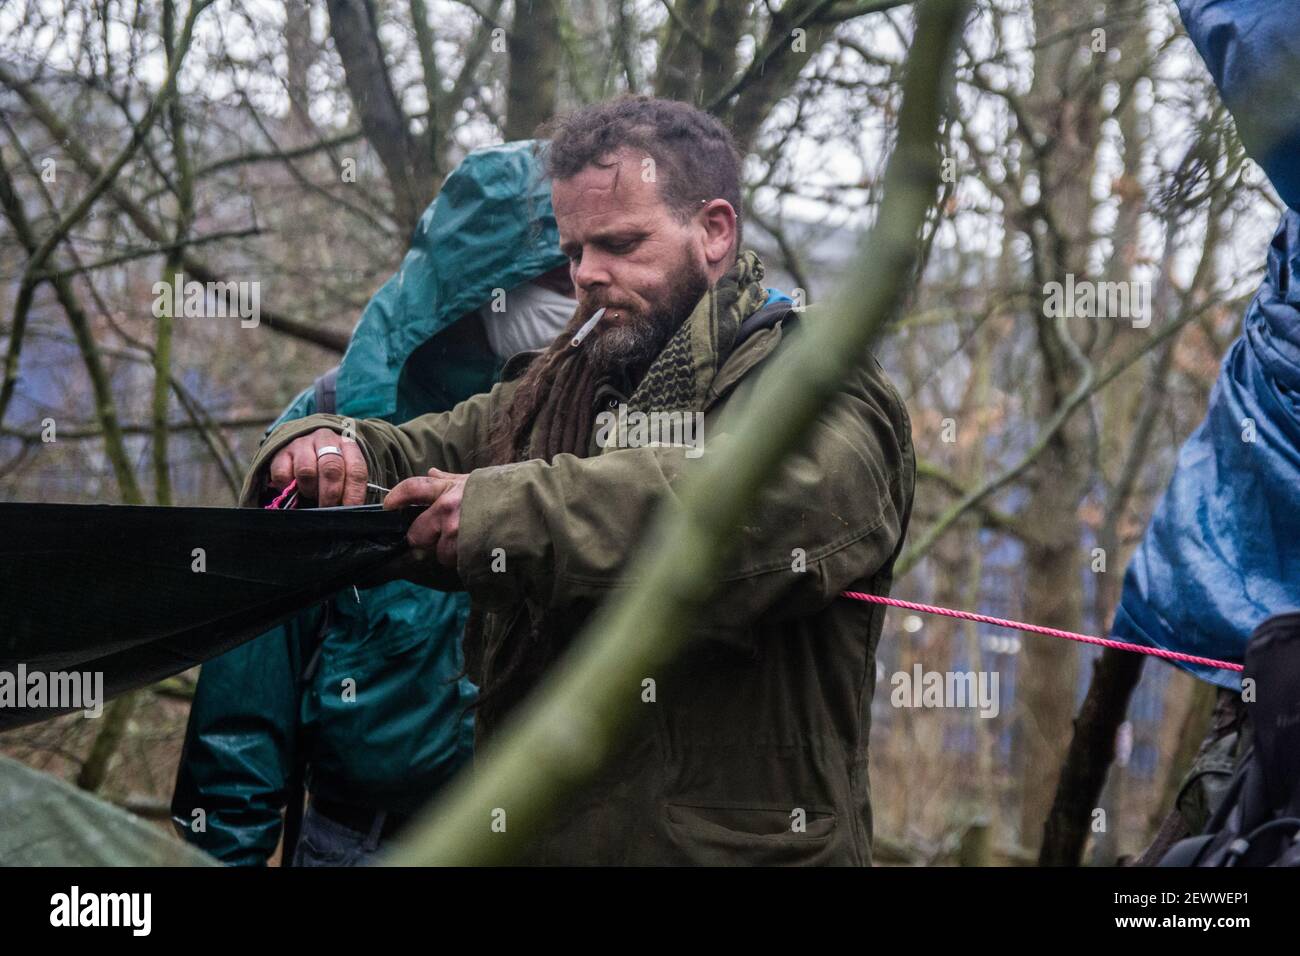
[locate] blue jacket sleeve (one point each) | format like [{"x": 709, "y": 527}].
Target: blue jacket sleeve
[
  {"x": 232, "y": 781},
  {"x": 1252, "y": 49}
]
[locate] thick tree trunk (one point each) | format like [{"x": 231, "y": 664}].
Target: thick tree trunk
[
  {"x": 680, "y": 53},
  {"x": 356, "y": 37},
  {"x": 1092, "y": 748},
  {"x": 534, "y": 67},
  {"x": 301, "y": 52},
  {"x": 1049, "y": 667},
  {"x": 1053, "y": 558}
]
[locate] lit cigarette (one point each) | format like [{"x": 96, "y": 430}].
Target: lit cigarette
[{"x": 586, "y": 328}]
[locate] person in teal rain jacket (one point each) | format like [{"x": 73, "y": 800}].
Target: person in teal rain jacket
[{"x": 364, "y": 698}]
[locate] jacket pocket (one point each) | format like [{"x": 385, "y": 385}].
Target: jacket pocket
[
  {"x": 729, "y": 834},
  {"x": 391, "y": 621}
]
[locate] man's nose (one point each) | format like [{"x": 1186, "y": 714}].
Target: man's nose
[{"x": 591, "y": 272}]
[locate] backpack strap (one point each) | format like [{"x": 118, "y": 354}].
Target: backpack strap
[
  {"x": 327, "y": 387},
  {"x": 518, "y": 363},
  {"x": 1186, "y": 852},
  {"x": 765, "y": 318}
]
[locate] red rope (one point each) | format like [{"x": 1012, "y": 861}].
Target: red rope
[{"x": 1051, "y": 631}]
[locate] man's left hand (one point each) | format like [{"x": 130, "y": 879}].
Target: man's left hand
[{"x": 438, "y": 529}]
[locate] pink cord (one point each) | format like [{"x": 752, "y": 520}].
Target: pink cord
[
  {"x": 1051, "y": 631},
  {"x": 280, "y": 499},
  {"x": 287, "y": 493}
]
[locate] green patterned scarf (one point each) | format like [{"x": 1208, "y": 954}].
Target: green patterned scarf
[
  {"x": 552, "y": 409},
  {"x": 679, "y": 377}
]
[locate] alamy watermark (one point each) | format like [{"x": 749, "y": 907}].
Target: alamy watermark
[
  {"x": 60, "y": 690},
  {"x": 959, "y": 689},
  {"x": 208, "y": 300},
  {"x": 74, "y": 908},
  {"x": 1086, "y": 299},
  {"x": 635, "y": 429}
]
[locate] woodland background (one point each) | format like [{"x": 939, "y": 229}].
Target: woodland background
[{"x": 218, "y": 137}]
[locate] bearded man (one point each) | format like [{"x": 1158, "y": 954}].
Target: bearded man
[{"x": 755, "y": 747}]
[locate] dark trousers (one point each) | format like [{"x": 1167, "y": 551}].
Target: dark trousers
[{"x": 326, "y": 842}]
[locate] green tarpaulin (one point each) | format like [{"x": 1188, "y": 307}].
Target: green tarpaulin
[{"x": 46, "y": 822}]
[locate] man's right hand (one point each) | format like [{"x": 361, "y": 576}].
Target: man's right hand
[{"x": 336, "y": 477}]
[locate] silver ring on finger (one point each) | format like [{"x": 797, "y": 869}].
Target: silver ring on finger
[{"x": 327, "y": 450}]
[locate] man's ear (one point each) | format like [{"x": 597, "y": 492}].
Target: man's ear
[{"x": 718, "y": 221}]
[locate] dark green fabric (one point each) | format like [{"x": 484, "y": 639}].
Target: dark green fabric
[
  {"x": 769, "y": 712},
  {"x": 1208, "y": 780},
  {"x": 408, "y": 730},
  {"x": 46, "y": 822}
]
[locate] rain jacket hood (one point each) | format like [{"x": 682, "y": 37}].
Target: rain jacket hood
[{"x": 477, "y": 236}]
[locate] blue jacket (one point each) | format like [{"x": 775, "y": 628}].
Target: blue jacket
[{"x": 405, "y": 729}]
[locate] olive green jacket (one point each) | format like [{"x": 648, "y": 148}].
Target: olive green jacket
[{"x": 755, "y": 749}]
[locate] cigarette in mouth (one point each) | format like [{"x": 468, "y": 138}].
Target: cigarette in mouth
[{"x": 586, "y": 328}]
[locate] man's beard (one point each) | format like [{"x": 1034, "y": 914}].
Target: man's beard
[{"x": 634, "y": 344}]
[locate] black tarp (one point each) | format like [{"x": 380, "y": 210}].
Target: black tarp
[{"x": 140, "y": 593}]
